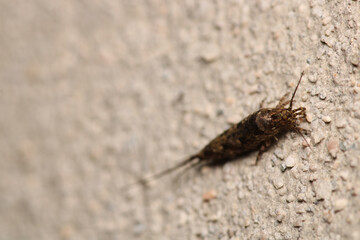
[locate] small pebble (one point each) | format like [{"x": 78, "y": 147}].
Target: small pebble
[
  {"x": 309, "y": 118},
  {"x": 330, "y": 41},
  {"x": 279, "y": 153},
  {"x": 210, "y": 53},
  {"x": 323, "y": 189},
  {"x": 329, "y": 30},
  {"x": 353, "y": 162},
  {"x": 313, "y": 167},
  {"x": 327, "y": 216},
  {"x": 277, "y": 236},
  {"x": 336, "y": 165},
  {"x": 349, "y": 186},
  {"x": 283, "y": 167},
  {"x": 241, "y": 195},
  {"x": 313, "y": 177},
  {"x": 290, "y": 161},
  {"x": 183, "y": 218},
  {"x": 317, "y": 137},
  {"x": 312, "y": 79},
  {"x": 341, "y": 123},
  {"x": 297, "y": 223},
  {"x": 322, "y": 96},
  {"x": 300, "y": 209},
  {"x": 290, "y": 198},
  {"x": 355, "y": 191},
  {"x": 219, "y": 112},
  {"x": 209, "y": 195},
  {"x": 247, "y": 222},
  {"x": 211, "y": 228},
  {"x": 326, "y": 20},
  {"x": 229, "y": 100},
  {"x": 326, "y": 119},
  {"x": 317, "y": 11},
  {"x": 253, "y": 89},
  {"x": 232, "y": 119},
  {"x": 340, "y": 204},
  {"x": 280, "y": 215},
  {"x": 282, "y": 191},
  {"x": 305, "y": 167},
  {"x": 139, "y": 228},
  {"x": 301, "y": 197},
  {"x": 314, "y": 92},
  {"x": 278, "y": 183},
  {"x": 309, "y": 210},
  {"x": 345, "y": 145},
  {"x": 214, "y": 217},
  {"x": 354, "y": 59},
  {"x": 304, "y": 97},
  {"x": 344, "y": 175},
  {"x": 333, "y": 146},
  {"x": 334, "y": 185}
]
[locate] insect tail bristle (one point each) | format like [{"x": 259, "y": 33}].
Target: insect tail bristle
[
  {"x": 191, "y": 166},
  {"x": 145, "y": 181},
  {"x": 292, "y": 98}
]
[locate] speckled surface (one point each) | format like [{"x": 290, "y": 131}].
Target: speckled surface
[{"x": 96, "y": 93}]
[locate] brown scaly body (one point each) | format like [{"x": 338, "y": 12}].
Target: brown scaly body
[{"x": 257, "y": 131}]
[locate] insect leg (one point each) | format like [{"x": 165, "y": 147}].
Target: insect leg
[
  {"x": 303, "y": 130},
  {"x": 263, "y": 148},
  {"x": 261, "y": 105},
  {"x": 301, "y": 111}
]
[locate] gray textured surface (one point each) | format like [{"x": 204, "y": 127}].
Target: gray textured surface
[{"x": 95, "y": 93}]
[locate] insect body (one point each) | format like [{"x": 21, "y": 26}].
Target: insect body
[{"x": 257, "y": 131}]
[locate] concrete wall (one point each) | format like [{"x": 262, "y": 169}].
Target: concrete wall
[{"x": 95, "y": 94}]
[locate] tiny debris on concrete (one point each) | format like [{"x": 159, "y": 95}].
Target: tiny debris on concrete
[
  {"x": 341, "y": 123},
  {"x": 278, "y": 183},
  {"x": 344, "y": 175},
  {"x": 300, "y": 209},
  {"x": 210, "y": 53},
  {"x": 322, "y": 188},
  {"x": 282, "y": 191},
  {"x": 283, "y": 167},
  {"x": 301, "y": 197},
  {"x": 209, "y": 195},
  {"x": 290, "y": 198},
  {"x": 297, "y": 222},
  {"x": 280, "y": 214},
  {"x": 333, "y": 146},
  {"x": 326, "y": 119},
  {"x": 340, "y": 204},
  {"x": 328, "y": 216},
  {"x": 291, "y": 161},
  {"x": 279, "y": 154},
  {"x": 317, "y": 137}
]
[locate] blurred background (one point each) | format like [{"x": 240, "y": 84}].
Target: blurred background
[{"x": 95, "y": 94}]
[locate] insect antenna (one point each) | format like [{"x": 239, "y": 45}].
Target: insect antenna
[
  {"x": 292, "y": 98},
  {"x": 302, "y": 135}
]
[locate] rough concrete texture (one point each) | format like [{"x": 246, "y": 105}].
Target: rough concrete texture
[{"x": 97, "y": 93}]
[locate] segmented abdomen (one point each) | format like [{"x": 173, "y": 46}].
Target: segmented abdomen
[{"x": 234, "y": 142}]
